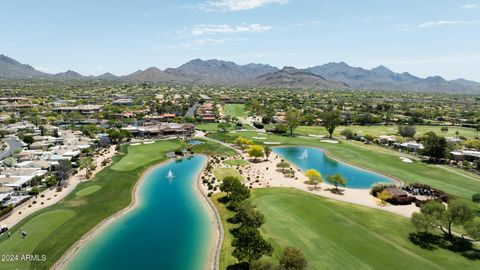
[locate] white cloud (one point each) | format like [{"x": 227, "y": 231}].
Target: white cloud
[
  {"x": 195, "y": 44},
  {"x": 100, "y": 67},
  {"x": 236, "y": 5},
  {"x": 445, "y": 23},
  {"x": 469, "y": 6},
  {"x": 203, "y": 29}
]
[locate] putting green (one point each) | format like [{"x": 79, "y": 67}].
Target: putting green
[
  {"x": 88, "y": 190},
  {"x": 235, "y": 110},
  {"x": 236, "y": 162},
  {"x": 140, "y": 155},
  {"x": 221, "y": 173}
]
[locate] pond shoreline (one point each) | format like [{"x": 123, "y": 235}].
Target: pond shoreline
[
  {"x": 69, "y": 255},
  {"x": 329, "y": 155}
]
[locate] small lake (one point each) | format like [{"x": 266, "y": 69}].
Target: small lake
[
  {"x": 306, "y": 158},
  {"x": 195, "y": 142},
  {"x": 169, "y": 229}
]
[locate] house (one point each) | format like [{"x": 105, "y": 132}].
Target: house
[
  {"x": 468, "y": 155},
  {"x": 82, "y": 109},
  {"x": 385, "y": 139},
  {"x": 410, "y": 146},
  {"x": 161, "y": 130},
  {"x": 19, "y": 177},
  {"x": 122, "y": 102}
]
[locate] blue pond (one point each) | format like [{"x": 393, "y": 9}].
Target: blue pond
[
  {"x": 170, "y": 228},
  {"x": 195, "y": 142},
  {"x": 306, "y": 158}
]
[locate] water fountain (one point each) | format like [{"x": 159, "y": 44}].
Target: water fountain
[
  {"x": 304, "y": 154},
  {"x": 170, "y": 175}
]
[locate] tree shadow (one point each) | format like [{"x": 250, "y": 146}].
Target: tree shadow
[
  {"x": 239, "y": 266},
  {"x": 459, "y": 245},
  {"x": 223, "y": 200},
  {"x": 425, "y": 240}
]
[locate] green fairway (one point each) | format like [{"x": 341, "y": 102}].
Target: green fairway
[
  {"x": 209, "y": 127},
  {"x": 235, "y": 110},
  {"x": 141, "y": 155},
  {"x": 56, "y": 228},
  {"x": 338, "y": 235},
  {"x": 221, "y": 173},
  {"x": 381, "y": 160},
  {"x": 212, "y": 148},
  {"x": 38, "y": 229},
  {"x": 376, "y": 131},
  {"x": 88, "y": 190},
  {"x": 236, "y": 162}
]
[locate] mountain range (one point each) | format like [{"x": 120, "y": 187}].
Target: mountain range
[{"x": 217, "y": 72}]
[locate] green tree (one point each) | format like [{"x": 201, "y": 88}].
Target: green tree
[
  {"x": 434, "y": 215},
  {"x": 224, "y": 126},
  {"x": 347, "y": 133},
  {"x": 293, "y": 118},
  {"x": 247, "y": 215},
  {"x": 434, "y": 146},
  {"x": 268, "y": 150},
  {"x": 293, "y": 259},
  {"x": 28, "y": 139},
  {"x": 64, "y": 169},
  {"x": 249, "y": 245},
  {"x": 407, "y": 130},
  {"x": 331, "y": 119},
  {"x": 236, "y": 191},
  {"x": 283, "y": 165},
  {"x": 444, "y": 130},
  {"x": 256, "y": 151},
  {"x": 86, "y": 163},
  {"x": 337, "y": 180}
]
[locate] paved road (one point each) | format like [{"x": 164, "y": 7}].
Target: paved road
[
  {"x": 191, "y": 111},
  {"x": 13, "y": 145}
]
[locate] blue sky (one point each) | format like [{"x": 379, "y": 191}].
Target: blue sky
[{"x": 424, "y": 37}]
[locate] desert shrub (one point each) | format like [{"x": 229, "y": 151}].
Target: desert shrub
[
  {"x": 347, "y": 133},
  {"x": 476, "y": 197},
  {"x": 401, "y": 200},
  {"x": 379, "y": 187}
]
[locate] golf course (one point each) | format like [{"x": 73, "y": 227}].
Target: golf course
[
  {"x": 53, "y": 230},
  {"x": 387, "y": 162},
  {"x": 338, "y": 235}
]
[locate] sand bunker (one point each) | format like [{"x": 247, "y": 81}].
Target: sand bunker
[{"x": 406, "y": 160}]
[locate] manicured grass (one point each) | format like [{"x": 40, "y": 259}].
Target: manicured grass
[
  {"x": 116, "y": 181},
  {"x": 338, "y": 235},
  {"x": 141, "y": 155},
  {"x": 376, "y": 131},
  {"x": 226, "y": 257},
  {"x": 235, "y": 110},
  {"x": 213, "y": 148},
  {"x": 381, "y": 160},
  {"x": 221, "y": 173},
  {"x": 209, "y": 127},
  {"x": 236, "y": 162},
  {"x": 38, "y": 229},
  {"x": 88, "y": 190}
]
